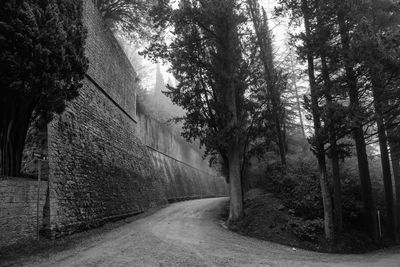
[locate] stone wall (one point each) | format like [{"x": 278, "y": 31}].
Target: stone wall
[
  {"x": 184, "y": 173},
  {"x": 105, "y": 162},
  {"x": 18, "y": 209},
  {"x": 98, "y": 168},
  {"x": 101, "y": 167},
  {"x": 163, "y": 138},
  {"x": 109, "y": 67},
  {"x": 181, "y": 181}
]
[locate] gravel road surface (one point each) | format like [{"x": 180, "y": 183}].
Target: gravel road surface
[{"x": 190, "y": 234}]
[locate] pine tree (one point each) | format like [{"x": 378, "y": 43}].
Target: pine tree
[
  {"x": 319, "y": 142},
  {"x": 304, "y": 11},
  {"x": 377, "y": 41},
  {"x": 324, "y": 30}
]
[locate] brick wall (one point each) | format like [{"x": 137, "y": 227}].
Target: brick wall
[{"x": 18, "y": 209}]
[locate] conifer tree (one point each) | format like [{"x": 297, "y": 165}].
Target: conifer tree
[
  {"x": 304, "y": 11},
  {"x": 259, "y": 20},
  {"x": 42, "y": 64},
  {"x": 208, "y": 61},
  {"x": 377, "y": 41}
]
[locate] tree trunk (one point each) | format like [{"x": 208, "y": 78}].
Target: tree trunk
[
  {"x": 281, "y": 140},
  {"x": 385, "y": 161},
  {"x": 235, "y": 187},
  {"x": 395, "y": 158},
  {"x": 234, "y": 149},
  {"x": 15, "y": 117},
  {"x": 326, "y": 197},
  {"x": 366, "y": 188},
  {"x": 327, "y": 202},
  {"x": 337, "y": 188},
  {"x": 358, "y": 133},
  {"x": 285, "y": 139},
  {"x": 228, "y": 61},
  {"x": 337, "y": 198}
]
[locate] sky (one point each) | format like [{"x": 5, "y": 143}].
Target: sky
[{"x": 279, "y": 28}]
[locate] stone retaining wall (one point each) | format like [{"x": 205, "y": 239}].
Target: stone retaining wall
[
  {"x": 104, "y": 161},
  {"x": 18, "y": 209}
]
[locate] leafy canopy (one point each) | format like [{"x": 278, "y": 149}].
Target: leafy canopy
[{"x": 42, "y": 53}]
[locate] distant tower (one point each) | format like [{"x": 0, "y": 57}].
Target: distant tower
[{"x": 159, "y": 86}]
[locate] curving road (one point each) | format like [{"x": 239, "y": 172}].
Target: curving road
[{"x": 189, "y": 234}]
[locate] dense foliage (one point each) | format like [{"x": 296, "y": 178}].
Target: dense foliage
[
  {"x": 42, "y": 64},
  {"x": 133, "y": 19},
  {"x": 351, "y": 50}
]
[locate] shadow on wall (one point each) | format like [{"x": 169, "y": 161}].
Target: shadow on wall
[
  {"x": 18, "y": 209},
  {"x": 185, "y": 175},
  {"x": 103, "y": 165},
  {"x": 181, "y": 181},
  {"x": 165, "y": 139}
]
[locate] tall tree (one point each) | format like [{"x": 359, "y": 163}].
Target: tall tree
[
  {"x": 377, "y": 42},
  {"x": 326, "y": 51},
  {"x": 303, "y": 12},
  {"x": 345, "y": 24},
  {"x": 42, "y": 64},
  {"x": 206, "y": 53},
  {"x": 392, "y": 125},
  {"x": 259, "y": 19},
  {"x": 319, "y": 142}
]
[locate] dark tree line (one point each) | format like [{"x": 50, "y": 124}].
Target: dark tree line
[{"x": 352, "y": 52}]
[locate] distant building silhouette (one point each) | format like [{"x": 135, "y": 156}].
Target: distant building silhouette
[{"x": 162, "y": 106}]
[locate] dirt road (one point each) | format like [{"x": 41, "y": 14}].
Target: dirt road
[{"x": 189, "y": 234}]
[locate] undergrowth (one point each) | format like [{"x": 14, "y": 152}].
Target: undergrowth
[{"x": 300, "y": 214}]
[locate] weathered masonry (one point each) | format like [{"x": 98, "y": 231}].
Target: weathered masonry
[{"x": 104, "y": 161}]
